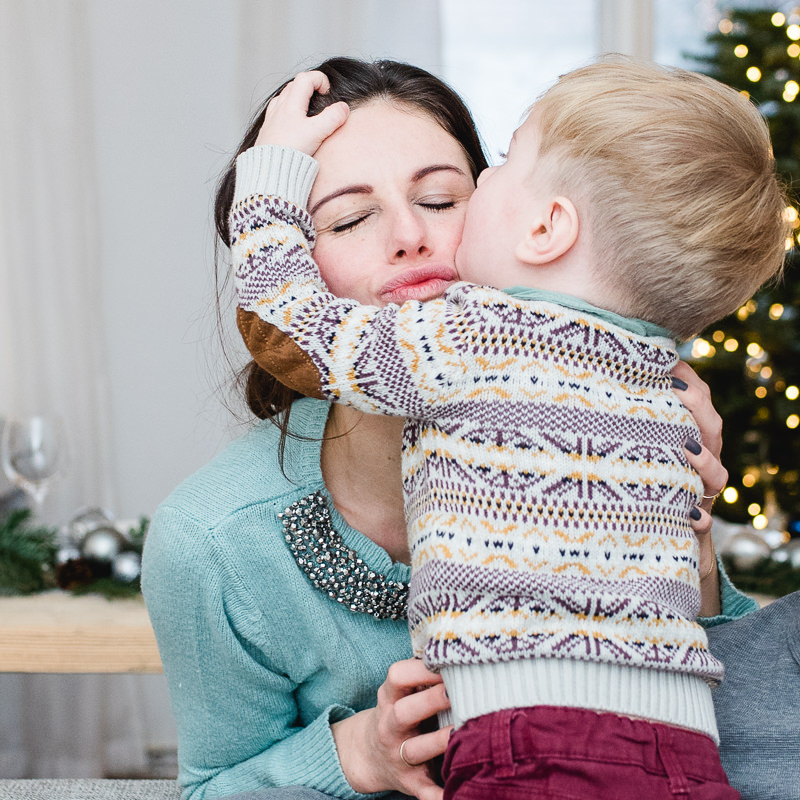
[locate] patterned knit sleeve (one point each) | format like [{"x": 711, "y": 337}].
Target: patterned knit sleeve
[{"x": 396, "y": 360}]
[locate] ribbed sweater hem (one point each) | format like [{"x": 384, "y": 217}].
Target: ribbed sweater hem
[{"x": 672, "y": 698}]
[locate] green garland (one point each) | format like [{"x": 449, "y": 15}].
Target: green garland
[
  {"x": 27, "y": 555},
  {"x": 29, "y": 564}
]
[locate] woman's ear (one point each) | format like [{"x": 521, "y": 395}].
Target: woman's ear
[{"x": 551, "y": 234}]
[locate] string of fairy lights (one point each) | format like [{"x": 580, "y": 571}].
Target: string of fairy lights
[{"x": 758, "y": 366}]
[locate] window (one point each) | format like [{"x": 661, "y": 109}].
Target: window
[{"x": 500, "y": 56}]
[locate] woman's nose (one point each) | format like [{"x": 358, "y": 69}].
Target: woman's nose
[{"x": 409, "y": 236}]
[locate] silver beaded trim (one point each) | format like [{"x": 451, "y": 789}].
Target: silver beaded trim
[{"x": 336, "y": 569}]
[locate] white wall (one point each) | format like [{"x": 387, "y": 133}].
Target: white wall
[
  {"x": 164, "y": 117},
  {"x": 174, "y": 84}
]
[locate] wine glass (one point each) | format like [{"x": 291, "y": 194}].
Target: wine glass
[{"x": 32, "y": 454}]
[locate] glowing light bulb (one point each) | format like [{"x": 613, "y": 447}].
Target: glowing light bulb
[
  {"x": 793, "y": 50},
  {"x": 759, "y": 522},
  {"x": 761, "y": 392},
  {"x": 740, "y": 51},
  {"x": 718, "y": 336},
  {"x": 731, "y": 345},
  {"x": 753, "y": 74},
  {"x": 777, "y": 19},
  {"x": 730, "y": 495},
  {"x": 754, "y": 349},
  {"x": 776, "y": 311},
  {"x": 766, "y": 373},
  {"x": 749, "y": 480},
  {"x": 792, "y": 392},
  {"x": 793, "y": 32},
  {"x": 726, "y": 26},
  {"x": 792, "y": 421},
  {"x": 702, "y": 349},
  {"x": 753, "y": 509}
]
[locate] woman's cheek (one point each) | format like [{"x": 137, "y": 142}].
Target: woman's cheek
[{"x": 344, "y": 268}]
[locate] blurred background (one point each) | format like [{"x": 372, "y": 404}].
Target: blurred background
[{"x": 116, "y": 119}]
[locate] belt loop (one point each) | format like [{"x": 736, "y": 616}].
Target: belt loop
[
  {"x": 678, "y": 785},
  {"x": 502, "y": 751}
]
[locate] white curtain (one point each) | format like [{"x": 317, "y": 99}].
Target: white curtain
[
  {"x": 51, "y": 333},
  {"x": 83, "y": 267}
]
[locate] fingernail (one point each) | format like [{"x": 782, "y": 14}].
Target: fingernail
[
  {"x": 695, "y": 513},
  {"x": 692, "y": 446},
  {"x": 677, "y": 383}
]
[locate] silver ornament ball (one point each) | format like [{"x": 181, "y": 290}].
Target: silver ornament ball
[
  {"x": 746, "y": 549},
  {"x": 127, "y": 566},
  {"x": 788, "y": 553},
  {"x": 67, "y": 553},
  {"x": 104, "y": 544}
]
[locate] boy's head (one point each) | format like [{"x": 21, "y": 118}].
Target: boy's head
[{"x": 674, "y": 182}]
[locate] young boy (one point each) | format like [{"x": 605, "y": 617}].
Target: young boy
[{"x": 555, "y": 579}]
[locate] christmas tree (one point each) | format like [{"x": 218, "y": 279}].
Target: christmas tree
[{"x": 751, "y": 360}]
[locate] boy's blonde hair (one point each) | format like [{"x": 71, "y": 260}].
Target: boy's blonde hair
[{"x": 673, "y": 173}]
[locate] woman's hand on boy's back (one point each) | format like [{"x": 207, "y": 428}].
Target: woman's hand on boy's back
[
  {"x": 369, "y": 742},
  {"x": 286, "y": 121},
  {"x": 705, "y": 458}
]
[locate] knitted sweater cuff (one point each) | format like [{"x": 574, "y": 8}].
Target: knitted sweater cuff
[
  {"x": 324, "y": 772},
  {"x": 277, "y": 171}
]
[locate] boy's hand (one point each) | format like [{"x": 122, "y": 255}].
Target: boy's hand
[{"x": 286, "y": 120}]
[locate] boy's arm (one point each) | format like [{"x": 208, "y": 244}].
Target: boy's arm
[{"x": 381, "y": 360}]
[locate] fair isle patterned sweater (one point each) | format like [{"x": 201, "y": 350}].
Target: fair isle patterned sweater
[{"x": 546, "y": 489}]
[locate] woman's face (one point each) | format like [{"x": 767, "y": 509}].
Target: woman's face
[{"x": 388, "y": 205}]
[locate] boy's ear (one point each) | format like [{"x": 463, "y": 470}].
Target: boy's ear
[{"x": 551, "y": 233}]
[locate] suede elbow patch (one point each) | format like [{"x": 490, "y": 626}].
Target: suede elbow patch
[{"x": 278, "y": 354}]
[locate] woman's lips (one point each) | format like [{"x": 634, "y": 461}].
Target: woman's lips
[{"x": 418, "y": 283}]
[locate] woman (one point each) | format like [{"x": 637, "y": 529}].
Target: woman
[{"x": 275, "y": 577}]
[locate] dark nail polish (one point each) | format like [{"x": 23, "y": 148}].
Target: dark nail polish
[
  {"x": 692, "y": 446},
  {"x": 695, "y": 513},
  {"x": 677, "y": 383}
]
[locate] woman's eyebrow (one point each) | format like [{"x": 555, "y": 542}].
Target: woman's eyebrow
[
  {"x": 420, "y": 174},
  {"x": 365, "y": 188},
  {"x": 362, "y": 188}
]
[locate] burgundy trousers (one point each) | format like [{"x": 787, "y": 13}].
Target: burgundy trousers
[{"x": 552, "y": 753}]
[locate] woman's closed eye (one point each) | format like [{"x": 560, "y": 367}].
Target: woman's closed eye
[
  {"x": 437, "y": 205},
  {"x": 348, "y": 223}
]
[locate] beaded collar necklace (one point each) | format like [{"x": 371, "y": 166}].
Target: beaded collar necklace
[{"x": 336, "y": 569}]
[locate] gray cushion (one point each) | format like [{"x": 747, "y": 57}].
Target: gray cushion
[{"x": 81, "y": 789}]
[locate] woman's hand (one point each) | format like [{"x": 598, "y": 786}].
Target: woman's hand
[
  {"x": 286, "y": 120},
  {"x": 369, "y": 742},
  {"x": 705, "y": 458}
]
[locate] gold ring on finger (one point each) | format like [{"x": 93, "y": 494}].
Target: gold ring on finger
[{"x": 402, "y": 754}]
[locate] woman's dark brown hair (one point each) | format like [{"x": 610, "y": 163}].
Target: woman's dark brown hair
[{"x": 357, "y": 83}]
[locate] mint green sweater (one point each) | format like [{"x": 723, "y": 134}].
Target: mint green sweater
[{"x": 260, "y": 663}]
